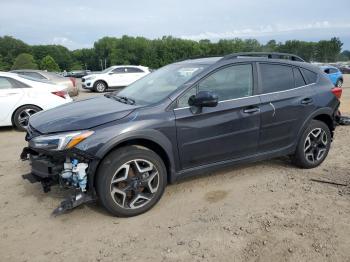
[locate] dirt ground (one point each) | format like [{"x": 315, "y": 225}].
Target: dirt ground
[{"x": 268, "y": 211}]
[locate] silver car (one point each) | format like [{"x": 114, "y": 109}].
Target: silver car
[{"x": 69, "y": 82}]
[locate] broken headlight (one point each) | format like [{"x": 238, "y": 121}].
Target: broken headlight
[{"x": 60, "y": 141}]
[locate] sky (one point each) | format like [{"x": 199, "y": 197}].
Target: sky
[{"x": 79, "y": 23}]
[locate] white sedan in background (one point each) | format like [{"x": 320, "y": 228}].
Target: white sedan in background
[
  {"x": 113, "y": 77},
  {"x": 22, "y": 96}
]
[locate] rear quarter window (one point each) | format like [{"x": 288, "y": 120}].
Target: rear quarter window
[
  {"x": 276, "y": 77},
  {"x": 310, "y": 77}
]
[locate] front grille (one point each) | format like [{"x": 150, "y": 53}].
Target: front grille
[
  {"x": 31, "y": 133},
  {"x": 83, "y": 80}
]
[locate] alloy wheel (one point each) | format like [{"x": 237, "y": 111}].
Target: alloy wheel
[
  {"x": 315, "y": 145},
  {"x": 134, "y": 184},
  {"x": 100, "y": 87},
  {"x": 23, "y": 117}
]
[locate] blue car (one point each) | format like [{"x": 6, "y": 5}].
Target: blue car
[{"x": 334, "y": 74}]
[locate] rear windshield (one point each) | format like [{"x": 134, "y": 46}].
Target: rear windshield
[{"x": 34, "y": 79}]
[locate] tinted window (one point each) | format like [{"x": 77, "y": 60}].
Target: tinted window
[
  {"x": 276, "y": 78},
  {"x": 133, "y": 70},
  {"x": 5, "y": 83},
  {"x": 299, "y": 80},
  {"x": 333, "y": 70},
  {"x": 230, "y": 83},
  {"x": 310, "y": 76},
  {"x": 32, "y": 74},
  {"x": 119, "y": 70}
]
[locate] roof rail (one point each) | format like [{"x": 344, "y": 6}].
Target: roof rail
[{"x": 270, "y": 55}]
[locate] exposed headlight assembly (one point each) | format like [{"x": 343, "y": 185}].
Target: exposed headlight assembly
[{"x": 60, "y": 141}]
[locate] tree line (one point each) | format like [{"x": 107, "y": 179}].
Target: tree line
[{"x": 107, "y": 51}]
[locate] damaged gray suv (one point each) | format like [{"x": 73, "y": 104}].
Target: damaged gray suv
[{"x": 187, "y": 118}]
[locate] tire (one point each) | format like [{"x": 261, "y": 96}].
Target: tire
[
  {"x": 130, "y": 181},
  {"x": 313, "y": 146},
  {"x": 339, "y": 83},
  {"x": 22, "y": 114},
  {"x": 100, "y": 86}
]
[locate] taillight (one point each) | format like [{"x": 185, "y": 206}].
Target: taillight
[
  {"x": 62, "y": 94},
  {"x": 337, "y": 91},
  {"x": 73, "y": 81}
]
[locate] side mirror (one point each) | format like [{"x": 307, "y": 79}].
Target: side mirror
[
  {"x": 203, "y": 99},
  {"x": 111, "y": 73}
]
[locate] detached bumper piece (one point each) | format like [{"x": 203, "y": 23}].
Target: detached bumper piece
[
  {"x": 73, "y": 201},
  {"x": 60, "y": 169}
]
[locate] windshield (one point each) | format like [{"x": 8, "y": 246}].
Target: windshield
[
  {"x": 107, "y": 69},
  {"x": 160, "y": 84}
]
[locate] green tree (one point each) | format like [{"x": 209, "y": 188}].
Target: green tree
[
  {"x": 10, "y": 48},
  {"x": 24, "y": 61},
  {"x": 49, "y": 64}
]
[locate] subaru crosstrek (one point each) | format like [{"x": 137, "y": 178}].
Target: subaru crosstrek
[{"x": 186, "y": 118}]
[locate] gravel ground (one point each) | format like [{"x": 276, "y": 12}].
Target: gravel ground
[{"x": 268, "y": 211}]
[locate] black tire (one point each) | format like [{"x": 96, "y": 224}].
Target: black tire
[
  {"x": 100, "y": 86},
  {"x": 311, "y": 150},
  {"x": 122, "y": 205},
  {"x": 22, "y": 114},
  {"x": 339, "y": 83}
]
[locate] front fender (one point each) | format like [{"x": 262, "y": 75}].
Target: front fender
[{"x": 150, "y": 135}]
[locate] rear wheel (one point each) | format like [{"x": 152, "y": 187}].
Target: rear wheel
[
  {"x": 22, "y": 114},
  {"x": 100, "y": 86},
  {"x": 313, "y": 146},
  {"x": 130, "y": 181},
  {"x": 339, "y": 83}
]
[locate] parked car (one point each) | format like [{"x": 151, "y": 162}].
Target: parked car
[
  {"x": 345, "y": 69},
  {"x": 113, "y": 77},
  {"x": 334, "y": 74},
  {"x": 186, "y": 118},
  {"x": 78, "y": 74},
  {"x": 70, "y": 83},
  {"x": 21, "y": 97}
]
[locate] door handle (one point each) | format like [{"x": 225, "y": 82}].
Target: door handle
[
  {"x": 251, "y": 110},
  {"x": 306, "y": 101}
]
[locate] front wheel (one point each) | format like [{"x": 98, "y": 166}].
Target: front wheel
[
  {"x": 22, "y": 114},
  {"x": 313, "y": 146},
  {"x": 100, "y": 86},
  {"x": 130, "y": 181}
]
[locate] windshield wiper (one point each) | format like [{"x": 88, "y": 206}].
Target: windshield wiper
[
  {"x": 122, "y": 99},
  {"x": 127, "y": 100}
]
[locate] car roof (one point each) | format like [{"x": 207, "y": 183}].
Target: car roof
[
  {"x": 202, "y": 60},
  {"x": 328, "y": 66},
  {"x": 238, "y": 59},
  {"x": 8, "y": 74}
]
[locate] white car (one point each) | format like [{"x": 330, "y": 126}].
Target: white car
[
  {"x": 22, "y": 96},
  {"x": 113, "y": 77}
]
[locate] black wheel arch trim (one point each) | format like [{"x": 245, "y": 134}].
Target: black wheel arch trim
[
  {"x": 322, "y": 111},
  {"x": 153, "y": 136}
]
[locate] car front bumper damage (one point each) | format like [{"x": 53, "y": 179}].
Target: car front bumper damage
[{"x": 68, "y": 169}]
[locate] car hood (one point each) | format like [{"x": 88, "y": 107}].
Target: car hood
[{"x": 80, "y": 115}]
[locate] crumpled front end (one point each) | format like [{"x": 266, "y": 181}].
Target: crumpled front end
[{"x": 63, "y": 166}]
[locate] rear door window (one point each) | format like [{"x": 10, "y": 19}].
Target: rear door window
[
  {"x": 120, "y": 70},
  {"x": 134, "y": 70},
  {"x": 276, "y": 77}
]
